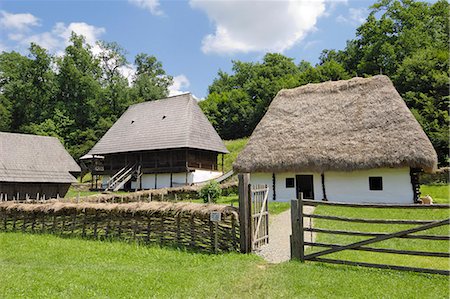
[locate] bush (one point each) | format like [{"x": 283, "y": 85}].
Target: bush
[{"x": 210, "y": 192}]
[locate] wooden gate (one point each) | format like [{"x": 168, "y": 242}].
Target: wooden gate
[
  {"x": 253, "y": 214},
  {"x": 298, "y": 243},
  {"x": 260, "y": 215}
]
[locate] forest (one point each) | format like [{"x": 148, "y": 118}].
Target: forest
[{"x": 77, "y": 96}]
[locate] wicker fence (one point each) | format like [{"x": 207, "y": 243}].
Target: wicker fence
[{"x": 186, "y": 225}]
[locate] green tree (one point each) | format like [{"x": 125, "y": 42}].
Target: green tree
[
  {"x": 408, "y": 41},
  {"x": 151, "y": 81}
]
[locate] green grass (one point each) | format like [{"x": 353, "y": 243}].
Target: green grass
[
  {"x": 405, "y": 244},
  {"x": 45, "y": 266},
  {"x": 439, "y": 193},
  {"x": 234, "y": 147},
  {"x": 275, "y": 208},
  {"x": 75, "y": 193}
]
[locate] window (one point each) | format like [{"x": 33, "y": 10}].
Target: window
[
  {"x": 290, "y": 183},
  {"x": 375, "y": 183}
]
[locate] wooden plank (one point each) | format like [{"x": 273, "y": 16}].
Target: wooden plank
[
  {"x": 370, "y": 234},
  {"x": 381, "y": 266},
  {"x": 384, "y": 250},
  {"x": 365, "y": 220},
  {"x": 263, "y": 206},
  {"x": 380, "y": 238},
  {"x": 244, "y": 213},
  {"x": 308, "y": 202},
  {"x": 297, "y": 240}
]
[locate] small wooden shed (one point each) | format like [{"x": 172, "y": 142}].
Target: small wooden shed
[{"x": 34, "y": 166}]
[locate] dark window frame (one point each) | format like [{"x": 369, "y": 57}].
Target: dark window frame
[
  {"x": 291, "y": 183},
  {"x": 376, "y": 183}
]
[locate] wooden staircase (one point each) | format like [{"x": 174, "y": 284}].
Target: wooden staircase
[{"x": 118, "y": 180}]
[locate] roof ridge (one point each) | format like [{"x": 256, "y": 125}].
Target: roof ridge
[{"x": 160, "y": 100}]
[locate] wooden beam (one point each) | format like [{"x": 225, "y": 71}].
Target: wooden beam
[
  {"x": 380, "y": 238},
  {"x": 244, "y": 213},
  {"x": 364, "y": 220},
  {"x": 384, "y": 250},
  {"x": 382, "y": 266},
  {"x": 367, "y": 234},
  {"x": 324, "y": 192},
  {"x": 307, "y": 202}
]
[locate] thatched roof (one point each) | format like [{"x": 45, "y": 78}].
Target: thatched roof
[
  {"x": 54, "y": 206},
  {"x": 344, "y": 125},
  {"x": 37, "y": 159},
  {"x": 174, "y": 122}
]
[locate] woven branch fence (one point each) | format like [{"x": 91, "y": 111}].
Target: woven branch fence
[{"x": 185, "y": 225}]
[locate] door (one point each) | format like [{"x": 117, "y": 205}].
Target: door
[{"x": 305, "y": 184}]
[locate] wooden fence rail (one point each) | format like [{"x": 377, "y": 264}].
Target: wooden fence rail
[
  {"x": 298, "y": 244},
  {"x": 186, "y": 225}
]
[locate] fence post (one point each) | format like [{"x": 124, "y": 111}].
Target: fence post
[
  {"x": 244, "y": 213},
  {"x": 297, "y": 237}
]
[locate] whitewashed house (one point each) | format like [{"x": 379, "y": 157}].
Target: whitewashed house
[
  {"x": 345, "y": 141},
  {"x": 158, "y": 144}
]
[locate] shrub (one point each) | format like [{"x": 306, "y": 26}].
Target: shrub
[{"x": 210, "y": 192}]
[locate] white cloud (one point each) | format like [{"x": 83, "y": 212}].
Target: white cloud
[
  {"x": 58, "y": 38},
  {"x": 20, "y": 21},
  {"x": 245, "y": 26},
  {"x": 128, "y": 71},
  {"x": 332, "y": 5},
  {"x": 180, "y": 83},
  {"x": 356, "y": 16},
  {"x": 150, "y": 5}
]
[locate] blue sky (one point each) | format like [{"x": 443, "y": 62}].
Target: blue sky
[{"x": 193, "y": 39}]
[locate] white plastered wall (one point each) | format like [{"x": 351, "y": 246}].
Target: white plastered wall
[
  {"x": 345, "y": 186},
  {"x": 204, "y": 175},
  {"x": 178, "y": 179}
]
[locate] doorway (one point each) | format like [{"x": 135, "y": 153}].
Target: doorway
[{"x": 305, "y": 184}]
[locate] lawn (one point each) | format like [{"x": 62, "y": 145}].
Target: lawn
[
  {"x": 233, "y": 199},
  {"x": 45, "y": 266},
  {"x": 439, "y": 193},
  {"x": 234, "y": 147}
]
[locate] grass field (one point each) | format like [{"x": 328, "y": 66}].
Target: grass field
[
  {"x": 44, "y": 266},
  {"x": 234, "y": 147},
  {"x": 440, "y": 193}
]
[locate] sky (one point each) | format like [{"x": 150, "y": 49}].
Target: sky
[{"x": 193, "y": 39}]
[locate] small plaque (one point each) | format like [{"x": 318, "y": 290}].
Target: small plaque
[{"x": 215, "y": 216}]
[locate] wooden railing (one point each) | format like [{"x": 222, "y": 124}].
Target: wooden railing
[{"x": 298, "y": 242}]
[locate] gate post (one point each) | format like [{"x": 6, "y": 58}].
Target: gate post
[
  {"x": 244, "y": 213},
  {"x": 297, "y": 237}
]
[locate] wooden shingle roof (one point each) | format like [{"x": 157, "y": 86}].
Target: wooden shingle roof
[
  {"x": 174, "y": 122},
  {"x": 37, "y": 159}
]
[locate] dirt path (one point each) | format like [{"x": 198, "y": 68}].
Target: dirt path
[{"x": 278, "y": 250}]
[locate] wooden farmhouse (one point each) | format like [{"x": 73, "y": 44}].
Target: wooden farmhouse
[
  {"x": 345, "y": 141},
  {"x": 158, "y": 144},
  {"x": 34, "y": 167}
]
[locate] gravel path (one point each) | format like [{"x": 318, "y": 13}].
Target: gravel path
[{"x": 279, "y": 249}]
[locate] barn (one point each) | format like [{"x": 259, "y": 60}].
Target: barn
[
  {"x": 158, "y": 144},
  {"x": 34, "y": 167},
  {"x": 345, "y": 141}
]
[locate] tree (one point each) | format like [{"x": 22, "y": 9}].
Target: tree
[
  {"x": 115, "y": 96},
  {"x": 150, "y": 81},
  {"x": 237, "y": 102},
  {"x": 408, "y": 41},
  {"x": 78, "y": 82}
]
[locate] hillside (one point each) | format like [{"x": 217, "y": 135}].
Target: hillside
[{"x": 234, "y": 147}]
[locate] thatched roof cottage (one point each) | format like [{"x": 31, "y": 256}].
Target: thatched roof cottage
[
  {"x": 349, "y": 141},
  {"x": 158, "y": 144},
  {"x": 34, "y": 166}
]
